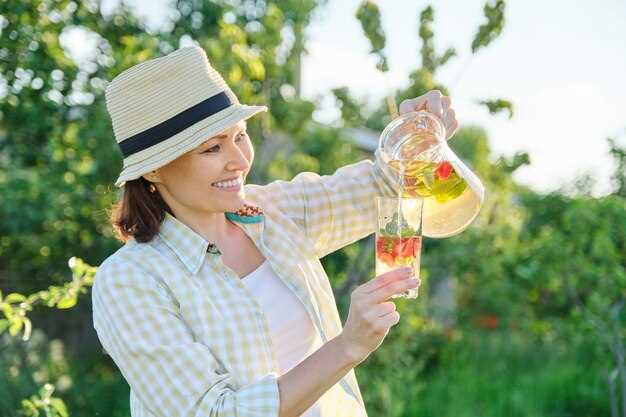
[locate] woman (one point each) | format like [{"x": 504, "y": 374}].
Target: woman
[{"x": 217, "y": 304}]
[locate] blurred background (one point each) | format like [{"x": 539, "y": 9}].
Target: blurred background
[{"x": 520, "y": 315}]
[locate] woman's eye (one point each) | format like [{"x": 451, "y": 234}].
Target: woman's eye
[
  {"x": 216, "y": 148},
  {"x": 212, "y": 149}
]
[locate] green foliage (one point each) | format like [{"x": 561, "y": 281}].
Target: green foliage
[
  {"x": 15, "y": 306},
  {"x": 57, "y": 155},
  {"x": 581, "y": 254},
  {"x": 53, "y": 126},
  {"x": 350, "y": 108},
  {"x": 538, "y": 279},
  {"x": 44, "y": 402},
  {"x": 34, "y": 376},
  {"x": 421, "y": 80},
  {"x": 497, "y": 106},
  {"x": 496, "y": 374},
  {"x": 489, "y": 31},
  {"x": 88, "y": 385},
  {"x": 619, "y": 176},
  {"x": 430, "y": 61},
  {"x": 368, "y": 15}
]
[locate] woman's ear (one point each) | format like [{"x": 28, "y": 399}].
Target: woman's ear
[{"x": 152, "y": 176}]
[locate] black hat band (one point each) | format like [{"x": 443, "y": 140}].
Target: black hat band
[{"x": 172, "y": 126}]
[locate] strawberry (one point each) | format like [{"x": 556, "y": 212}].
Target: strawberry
[
  {"x": 444, "y": 169},
  {"x": 380, "y": 244},
  {"x": 385, "y": 244},
  {"x": 386, "y": 258},
  {"x": 391, "y": 248},
  {"x": 408, "y": 248},
  {"x": 417, "y": 243},
  {"x": 396, "y": 247}
]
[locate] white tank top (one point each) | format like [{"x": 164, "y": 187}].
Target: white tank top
[{"x": 292, "y": 331}]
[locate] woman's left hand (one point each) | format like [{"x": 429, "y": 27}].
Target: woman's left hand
[{"x": 437, "y": 104}]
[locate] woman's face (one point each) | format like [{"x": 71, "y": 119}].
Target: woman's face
[{"x": 210, "y": 177}]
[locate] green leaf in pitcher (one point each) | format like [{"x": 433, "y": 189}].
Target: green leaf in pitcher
[
  {"x": 429, "y": 179},
  {"x": 444, "y": 186},
  {"x": 458, "y": 190},
  {"x": 419, "y": 190},
  {"x": 416, "y": 167},
  {"x": 453, "y": 193}
]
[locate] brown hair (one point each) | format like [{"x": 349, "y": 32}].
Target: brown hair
[{"x": 138, "y": 213}]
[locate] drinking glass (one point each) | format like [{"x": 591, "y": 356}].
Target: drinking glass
[{"x": 399, "y": 237}]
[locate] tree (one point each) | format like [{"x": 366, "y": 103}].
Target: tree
[
  {"x": 544, "y": 266},
  {"x": 57, "y": 156}
]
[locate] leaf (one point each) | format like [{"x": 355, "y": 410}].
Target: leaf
[
  {"x": 414, "y": 167},
  {"x": 29, "y": 408},
  {"x": 368, "y": 15},
  {"x": 487, "y": 32},
  {"x": 16, "y": 326},
  {"x": 391, "y": 227},
  {"x": 68, "y": 301},
  {"x": 7, "y": 309},
  {"x": 59, "y": 406},
  {"x": 429, "y": 179},
  {"x": 457, "y": 190},
  {"x": 453, "y": 192},
  {"x": 15, "y": 298},
  {"x": 4, "y": 323},
  {"x": 442, "y": 187},
  {"x": 498, "y": 106}
]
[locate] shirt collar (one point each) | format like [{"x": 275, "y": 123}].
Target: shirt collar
[
  {"x": 191, "y": 248},
  {"x": 188, "y": 245}
]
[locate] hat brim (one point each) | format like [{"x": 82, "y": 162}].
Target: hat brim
[{"x": 164, "y": 152}]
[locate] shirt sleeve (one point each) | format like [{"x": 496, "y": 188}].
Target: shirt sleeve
[
  {"x": 138, "y": 324},
  {"x": 335, "y": 210}
]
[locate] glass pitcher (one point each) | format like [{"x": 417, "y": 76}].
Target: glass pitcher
[{"x": 414, "y": 146}]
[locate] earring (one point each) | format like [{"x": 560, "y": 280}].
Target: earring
[{"x": 151, "y": 188}]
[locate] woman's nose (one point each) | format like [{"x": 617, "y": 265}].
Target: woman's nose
[{"x": 237, "y": 159}]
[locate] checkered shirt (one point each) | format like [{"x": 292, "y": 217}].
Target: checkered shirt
[{"x": 189, "y": 338}]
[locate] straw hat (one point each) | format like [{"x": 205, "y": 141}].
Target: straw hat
[{"x": 167, "y": 106}]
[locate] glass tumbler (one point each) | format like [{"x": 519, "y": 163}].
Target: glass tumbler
[{"x": 399, "y": 236}]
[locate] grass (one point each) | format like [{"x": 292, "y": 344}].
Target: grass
[{"x": 499, "y": 375}]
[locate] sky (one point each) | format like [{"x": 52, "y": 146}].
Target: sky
[{"x": 561, "y": 63}]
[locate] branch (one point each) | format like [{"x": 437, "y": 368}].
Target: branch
[{"x": 14, "y": 306}]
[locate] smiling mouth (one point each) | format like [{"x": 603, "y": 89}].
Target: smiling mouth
[{"x": 230, "y": 185}]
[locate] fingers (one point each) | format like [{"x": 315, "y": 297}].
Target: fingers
[
  {"x": 450, "y": 123},
  {"x": 433, "y": 102},
  {"x": 387, "y": 278},
  {"x": 397, "y": 287},
  {"x": 445, "y": 103},
  {"x": 413, "y": 104},
  {"x": 382, "y": 309},
  {"x": 383, "y": 315},
  {"x": 390, "y": 319},
  {"x": 436, "y": 103}
]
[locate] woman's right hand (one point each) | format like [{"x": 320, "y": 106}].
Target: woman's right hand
[{"x": 371, "y": 315}]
